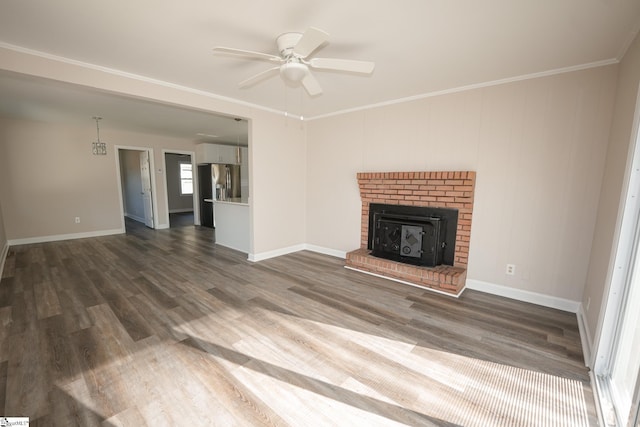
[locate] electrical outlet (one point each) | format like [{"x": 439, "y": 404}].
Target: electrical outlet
[
  {"x": 511, "y": 269},
  {"x": 77, "y": 220}
]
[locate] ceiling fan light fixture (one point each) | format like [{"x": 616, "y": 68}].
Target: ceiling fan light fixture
[{"x": 294, "y": 71}]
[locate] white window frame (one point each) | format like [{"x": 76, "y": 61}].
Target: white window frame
[{"x": 182, "y": 193}]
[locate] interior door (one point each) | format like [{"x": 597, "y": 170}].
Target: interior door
[{"x": 145, "y": 176}]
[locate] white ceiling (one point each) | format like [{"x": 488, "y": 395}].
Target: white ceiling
[
  {"x": 55, "y": 102},
  {"x": 420, "y": 47}
]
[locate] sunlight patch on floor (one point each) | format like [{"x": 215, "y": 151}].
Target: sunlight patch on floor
[
  {"x": 300, "y": 406},
  {"x": 313, "y": 373},
  {"x": 444, "y": 385}
]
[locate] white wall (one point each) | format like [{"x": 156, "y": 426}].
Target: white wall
[
  {"x": 611, "y": 196},
  {"x": 538, "y": 147}
]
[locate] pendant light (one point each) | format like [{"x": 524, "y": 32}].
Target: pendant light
[
  {"x": 99, "y": 148},
  {"x": 238, "y": 152}
]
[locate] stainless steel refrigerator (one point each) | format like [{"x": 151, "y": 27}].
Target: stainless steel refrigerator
[
  {"x": 217, "y": 182},
  {"x": 226, "y": 181}
]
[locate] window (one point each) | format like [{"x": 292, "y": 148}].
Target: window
[{"x": 186, "y": 179}]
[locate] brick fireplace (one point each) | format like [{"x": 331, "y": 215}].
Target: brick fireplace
[{"x": 433, "y": 189}]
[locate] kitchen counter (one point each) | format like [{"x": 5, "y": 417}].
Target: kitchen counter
[
  {"x": 235, "y": 201},
  {"x": 232, "y": 224}
]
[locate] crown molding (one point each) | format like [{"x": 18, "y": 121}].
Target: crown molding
[
  {"x": 138, "y": 77},
  {"x": 469, "y": 87}
]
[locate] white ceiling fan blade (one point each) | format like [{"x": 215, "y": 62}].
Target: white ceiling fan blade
[
  {"x": 364, "y": 67},
  {"x": 259, "y": 77},
  {"x": 248, "y": 54},
  {"x": 312, "y": 39},
  {"x": 311, "y": 85}
]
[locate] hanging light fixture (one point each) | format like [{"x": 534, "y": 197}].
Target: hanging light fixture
[
  {"x": 294, "y": 71},
  {"x": 99, "y": 148}
]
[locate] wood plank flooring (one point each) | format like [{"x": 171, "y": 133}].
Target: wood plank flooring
[{"x": 165, "y": 328}]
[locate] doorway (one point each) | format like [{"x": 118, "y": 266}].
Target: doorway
[
  {"x": 137, "y": 195},
  {"x": 181, "y": 200}
]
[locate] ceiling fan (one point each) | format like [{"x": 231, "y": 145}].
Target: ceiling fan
[{"x": 295, "y": 63}]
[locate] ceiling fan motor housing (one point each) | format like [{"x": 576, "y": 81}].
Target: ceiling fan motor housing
[{"x": 286, "y": 42}]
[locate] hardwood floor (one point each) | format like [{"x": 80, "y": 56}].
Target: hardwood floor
[
  {"x": 166, "y": 328},
  {"x": 181, "y": 219}
]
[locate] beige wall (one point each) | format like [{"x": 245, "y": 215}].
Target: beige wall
[
  {"x": 277, "y": 145},
  {"x": 50, "y": 176},
  {"x": 538, "y": 147},
  {"x": 609, "y": 207},
  {"x": 277, "y": 167}
]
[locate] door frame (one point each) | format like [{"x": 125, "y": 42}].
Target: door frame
[
  {"x": 194, "y": 168},
  {"x": 154, "y": 202}
]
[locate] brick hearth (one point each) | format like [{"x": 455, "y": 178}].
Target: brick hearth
[{"x": 434, "y": 189}]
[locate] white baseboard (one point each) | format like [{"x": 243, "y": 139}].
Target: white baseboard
[
  {"x": 525, "y": 296},
  {"x": 58, "y": 237},
  {"x": 326, "y": 251},
  {"x": 585, "y": 336},
  {"x": 3, "y": 257},
  {"x": 275, "y": 253},
  {"x": 297, "y": 248},
  {"x": 161, "y": 226}
]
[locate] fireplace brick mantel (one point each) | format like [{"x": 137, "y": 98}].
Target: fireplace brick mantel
[{"x": 444, "y": 189}]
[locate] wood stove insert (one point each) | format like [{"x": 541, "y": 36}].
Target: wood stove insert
[{"x": 417, "y": 235}]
